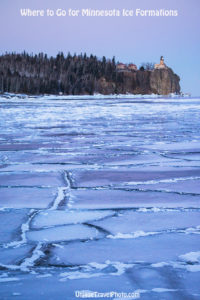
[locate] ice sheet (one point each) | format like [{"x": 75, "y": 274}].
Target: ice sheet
[{"x": 127, "y": 165}]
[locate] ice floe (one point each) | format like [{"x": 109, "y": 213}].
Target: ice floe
[
  {"x": 191, "y": 257},
  {"x": 64, "y": 233},
  {"x": 60, "y": 217}
]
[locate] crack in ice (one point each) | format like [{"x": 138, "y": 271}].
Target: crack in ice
[{"x": 24, "y": 228}]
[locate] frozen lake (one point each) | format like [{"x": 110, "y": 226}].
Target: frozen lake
[{"x": 99, "y": 195}]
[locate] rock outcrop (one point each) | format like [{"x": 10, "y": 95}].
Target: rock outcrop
[
  {"x": 164, "y": 82},
  {"x": 158, "y": 81}
]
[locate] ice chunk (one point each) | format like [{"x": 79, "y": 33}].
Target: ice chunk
[
  {"x": 107, "y": 198},
  {"x": 191, "y": 257},
  {"x": 193, "y": 268},
  {"x": 59, "y": 217},
  {"x": 64, "y": 233},
  {"x": 149, "y": 249},
  {"x": 92, "y": 178},
  {"x": 27, "y": 197},
  {"x": 190, "y": 186},
  {"x": 132, "y": 222},
  {"x": 32, "y": 179}
]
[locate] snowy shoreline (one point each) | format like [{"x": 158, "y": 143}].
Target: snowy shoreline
[{"x": 93, "y": 97}]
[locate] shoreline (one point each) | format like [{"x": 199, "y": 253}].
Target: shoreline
[{"x": 96, "y": 96}]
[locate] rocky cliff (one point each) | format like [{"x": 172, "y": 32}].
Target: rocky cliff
[
  {"x": 157, "y": 81},
  {"x": 164, "y": 82}
]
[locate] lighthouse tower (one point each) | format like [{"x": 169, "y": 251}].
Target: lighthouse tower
[
  {"x": 161, "y": 60},
  {"x": 161, "y": 65}
]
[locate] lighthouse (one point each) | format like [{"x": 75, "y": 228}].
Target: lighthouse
[
  {"x": 161, "y": 65},
  {"x": 161, "y": 60}
]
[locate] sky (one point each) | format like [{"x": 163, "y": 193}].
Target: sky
[{"x": 129, "y": 39}]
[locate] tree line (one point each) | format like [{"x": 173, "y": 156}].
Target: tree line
[{"x": 67, "y": 74}]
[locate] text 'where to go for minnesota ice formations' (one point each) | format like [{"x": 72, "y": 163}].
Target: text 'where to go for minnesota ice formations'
[{"x": 88, "y": 12}]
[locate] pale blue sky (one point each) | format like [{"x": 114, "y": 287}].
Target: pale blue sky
[{"x": 131, "y": 39}]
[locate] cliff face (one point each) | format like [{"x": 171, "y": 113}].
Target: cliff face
[
  {"x": 158, "y": 81},
  {"x": 164, "y": 82}
]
